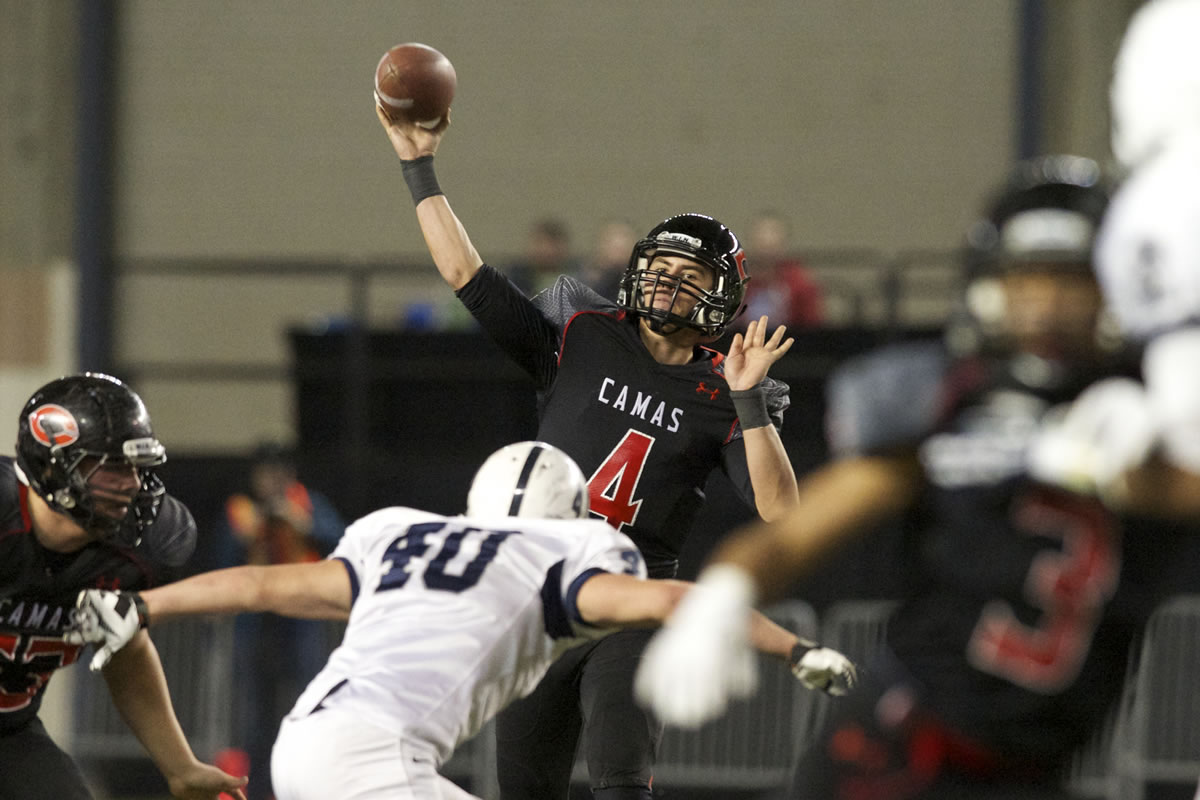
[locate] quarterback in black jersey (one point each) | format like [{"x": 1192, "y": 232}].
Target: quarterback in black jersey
[
  {"x": 632, "y": 394},
  {"x": 1025, "y": 598},
  {"x": 80, "y": 508}
]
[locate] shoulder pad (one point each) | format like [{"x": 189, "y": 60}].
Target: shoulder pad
[
  {"x": 171, "y": 540},
  {"x": 886, "y": 399},
  {"x": 778, "y": 399},
  {"x": 567, "y": 297}
]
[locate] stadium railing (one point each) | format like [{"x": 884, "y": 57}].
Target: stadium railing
[
  {"x": 755, "y": 744},
  {"x": 1157, "y": 742},
  {"x": 197, "y": 658}
]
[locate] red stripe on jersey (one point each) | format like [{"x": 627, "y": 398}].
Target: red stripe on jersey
[
  {"x": 732, "y": 428},
  {"x": 23, "y": 498}
]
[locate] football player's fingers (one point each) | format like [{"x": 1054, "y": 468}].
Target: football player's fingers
[
  {"x": 101, "y": 658},
  {"x": 735, "y": 346},
  {"x": 777, "y": 350},
  {"x": 760, "y": 330},
  {"x": 777, "y": 336}
]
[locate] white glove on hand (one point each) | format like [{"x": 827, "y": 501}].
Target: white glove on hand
[
  {"x": 1087, "y": 446},
  {"x": 106, "y": 619},
  {"x": 823, "y": 669},
  {"x": 702, "y": 656}
]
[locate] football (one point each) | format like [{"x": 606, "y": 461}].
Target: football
[{"x": 415, "y": 82}]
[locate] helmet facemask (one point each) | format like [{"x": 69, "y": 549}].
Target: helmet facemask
[
  {"x": 96, "y": 490},
  {"x": 704, "y": 241}
]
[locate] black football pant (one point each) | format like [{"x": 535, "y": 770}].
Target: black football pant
[
  {"x": 915, "y": 756},
  {"x": 32, "y": 767},
  {"x": 590, "y": 688}
]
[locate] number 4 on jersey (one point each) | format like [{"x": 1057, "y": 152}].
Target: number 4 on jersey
[{"x": 612, "y": 487}]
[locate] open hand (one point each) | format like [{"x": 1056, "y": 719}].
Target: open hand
[{"x": 752, "y": 354}]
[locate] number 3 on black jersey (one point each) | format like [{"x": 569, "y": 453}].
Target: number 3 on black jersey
[
  {"x": 613, "y": 486},
  {"x": 412, "y": 545}
]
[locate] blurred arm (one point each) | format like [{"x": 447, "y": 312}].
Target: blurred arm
[{"x": 837, "y": 501}]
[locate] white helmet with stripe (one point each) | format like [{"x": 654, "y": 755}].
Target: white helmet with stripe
[{"x": 529, "y": 479}]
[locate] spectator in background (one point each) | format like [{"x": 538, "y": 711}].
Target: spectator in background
[
  {"x": 547, "y": 255},
  {"x": 277, "y": 520},
  {"x": 782, "y": 288},
  {"x": 604, "y": 267}
]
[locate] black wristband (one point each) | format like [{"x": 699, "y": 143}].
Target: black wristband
[
  {"x": 142, "y": 612},
  {"x": 751, "y": 408},
  {"x": 799, "y": 649},
  {"x": 419, "y": 175}
]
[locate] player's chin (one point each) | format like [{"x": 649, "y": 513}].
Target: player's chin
[{"x": 111, "y": 509}]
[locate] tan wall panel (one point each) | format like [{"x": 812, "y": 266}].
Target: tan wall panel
[
  {"x": 182, "y": 319},
  {"x": 199, "y": 417},
  {"x": 247, "y": 129}
]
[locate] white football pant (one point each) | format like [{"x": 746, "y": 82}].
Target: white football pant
[{"x": 331, "y": 755}]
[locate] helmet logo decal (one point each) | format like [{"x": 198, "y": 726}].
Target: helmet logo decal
[
  {"x": 740, "y": 258},
  {"x": 53, "y": 425},
  {"x": 682, "y": 238}
]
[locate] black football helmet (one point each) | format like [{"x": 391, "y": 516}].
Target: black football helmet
[
  {"x": 1044, "y": 219},
  {"x": 1047, "y": 214},
  {"x": 702, "y": 239},
  {"x": 72, "y": 427}
]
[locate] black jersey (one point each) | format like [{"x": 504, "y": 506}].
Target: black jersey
[
  {"x": 38, "y": 589},
  {"x": 1028, "y": 597},
  {"x": 646, "y": 434}
]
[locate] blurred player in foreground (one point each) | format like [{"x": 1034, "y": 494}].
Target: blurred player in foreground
[
  {"x": 648, "y": 412},
  {"x": 1013, "y": 640},
  {"x": 81, "y": 506},
  {"x": 450, "y": 620},
  {"x": 1140, "y": 445}
]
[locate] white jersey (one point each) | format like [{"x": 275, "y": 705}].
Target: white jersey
[
  {"x": 1148, "y": 248},
  {"x": 454, "y": 618}
]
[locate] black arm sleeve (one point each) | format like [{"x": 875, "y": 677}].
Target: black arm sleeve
[
  {"x": 733, "y": 464},
  {"x": 513, "y": 322}
]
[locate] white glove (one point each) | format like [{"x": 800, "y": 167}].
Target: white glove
[
  {"x": 823, "y": 669},
  {"x": 1086, "y": 447},
  {"x": 106, "y": 619},
  {"x": 702, "y": 656}
]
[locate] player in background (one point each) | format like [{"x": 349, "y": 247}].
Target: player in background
[
  {"x": 630, "y": 392},
  {"x": 81, "y": 506},
  {"x": 450, "y": 620},
  {"x": 1011, "y": 642},
  {"x": 1140, "y": 446}
]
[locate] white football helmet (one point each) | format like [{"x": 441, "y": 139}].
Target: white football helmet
[
  {"x": 1155, "y": 91},
  {"x": 529, "y": 479}
]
